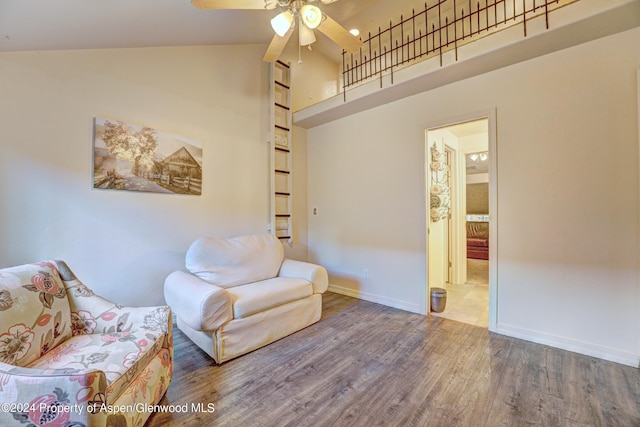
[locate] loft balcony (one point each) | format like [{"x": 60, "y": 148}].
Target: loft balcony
[{"x": 451, "y": 40}]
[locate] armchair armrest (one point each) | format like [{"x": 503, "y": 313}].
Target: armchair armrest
[
  {"x": 314, "y": 273},
  {"x": 92, "y": 313},
  {"x": 201, "y": 305},
  {"x": 28, "y": 393}
]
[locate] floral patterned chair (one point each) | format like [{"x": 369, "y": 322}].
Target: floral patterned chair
[{"x": 69, "y": 358}]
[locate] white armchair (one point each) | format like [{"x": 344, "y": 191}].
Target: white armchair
[{"x": 242, "y": 294}]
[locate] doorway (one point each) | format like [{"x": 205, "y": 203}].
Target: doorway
[{"x": 461, "y": 245}]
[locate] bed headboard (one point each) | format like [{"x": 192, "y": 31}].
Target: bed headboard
[{"x": 478, "y": 229}]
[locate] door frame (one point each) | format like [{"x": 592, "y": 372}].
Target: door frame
[
  {"x": 450, "y": 241},
  {"x": 489, "y": 115}
]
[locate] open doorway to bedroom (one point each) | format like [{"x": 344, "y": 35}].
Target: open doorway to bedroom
[{"x": 459, "y": 187}]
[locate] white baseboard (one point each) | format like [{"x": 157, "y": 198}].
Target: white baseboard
[
  {"x": 587, "y": 349},
  {"x": 379, "y": 299}
]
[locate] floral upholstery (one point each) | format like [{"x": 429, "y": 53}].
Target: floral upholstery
[
  {"x": 36, "y": 317},
  {"x": 69, "y": 357}
]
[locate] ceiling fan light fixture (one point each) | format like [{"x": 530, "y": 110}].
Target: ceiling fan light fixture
[
  {"x": 306, "y": 35},
  {"x": 282, "y": 23},
  {"x": 311, "y": 15}
]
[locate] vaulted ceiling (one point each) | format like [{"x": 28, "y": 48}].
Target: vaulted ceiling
[{"x": 32, "y": 25}]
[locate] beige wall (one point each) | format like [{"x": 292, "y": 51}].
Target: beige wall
[
  {"x": 570, "y": 276},
  {"x": 314, "y": 78},
  {"x": 567, "y": 236},
  {"x": 478, "y": 198},
  {"x": 123, "y": 244}
]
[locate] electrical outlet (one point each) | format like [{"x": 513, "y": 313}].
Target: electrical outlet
[{"x": 366, "y": 273}]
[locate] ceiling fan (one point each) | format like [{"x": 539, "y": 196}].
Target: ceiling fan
[{"x": 305, "y": 13}]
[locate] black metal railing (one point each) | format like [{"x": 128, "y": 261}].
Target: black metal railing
[{"x": 441, "y": 26}]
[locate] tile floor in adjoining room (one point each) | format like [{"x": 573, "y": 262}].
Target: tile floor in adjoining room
[{"x": 469, "y": 302}]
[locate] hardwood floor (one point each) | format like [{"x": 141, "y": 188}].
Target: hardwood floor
[{"x": 365, "y": 364}]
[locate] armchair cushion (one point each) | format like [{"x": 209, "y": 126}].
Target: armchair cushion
[
  {"x": 120, "y": 355},
  {"x": 260, "y": 296},
  {"x": 232, "y": 262}
]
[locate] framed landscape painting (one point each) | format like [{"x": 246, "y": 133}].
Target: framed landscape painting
[{"x": 137, "y": 158}]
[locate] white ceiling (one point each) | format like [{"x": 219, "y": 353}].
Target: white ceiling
[
  {"x": 32, "y": 25},
  {"x": 469, "y": 128}
]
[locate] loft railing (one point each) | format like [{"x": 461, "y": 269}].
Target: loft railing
[{"x": 441, "y": 26}]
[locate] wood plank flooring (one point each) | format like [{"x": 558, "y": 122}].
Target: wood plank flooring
[{"x": 365, "y": 364}]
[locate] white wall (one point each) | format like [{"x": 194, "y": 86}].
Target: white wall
[
  {"x": 313, "y": 77},
  {"x": 567, "y": 167},
  {"x": 123, "y": 244},
  {"x": 312, "y": 80}
]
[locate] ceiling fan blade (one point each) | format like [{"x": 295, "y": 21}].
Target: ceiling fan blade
[
  {"x": 229, "y": 4},
  {"x": 277, "y": 46},
  {"x": 339, "y": 34}
]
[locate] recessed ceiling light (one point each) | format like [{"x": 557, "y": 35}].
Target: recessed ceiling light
[{"x": 355, "y": 32}]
